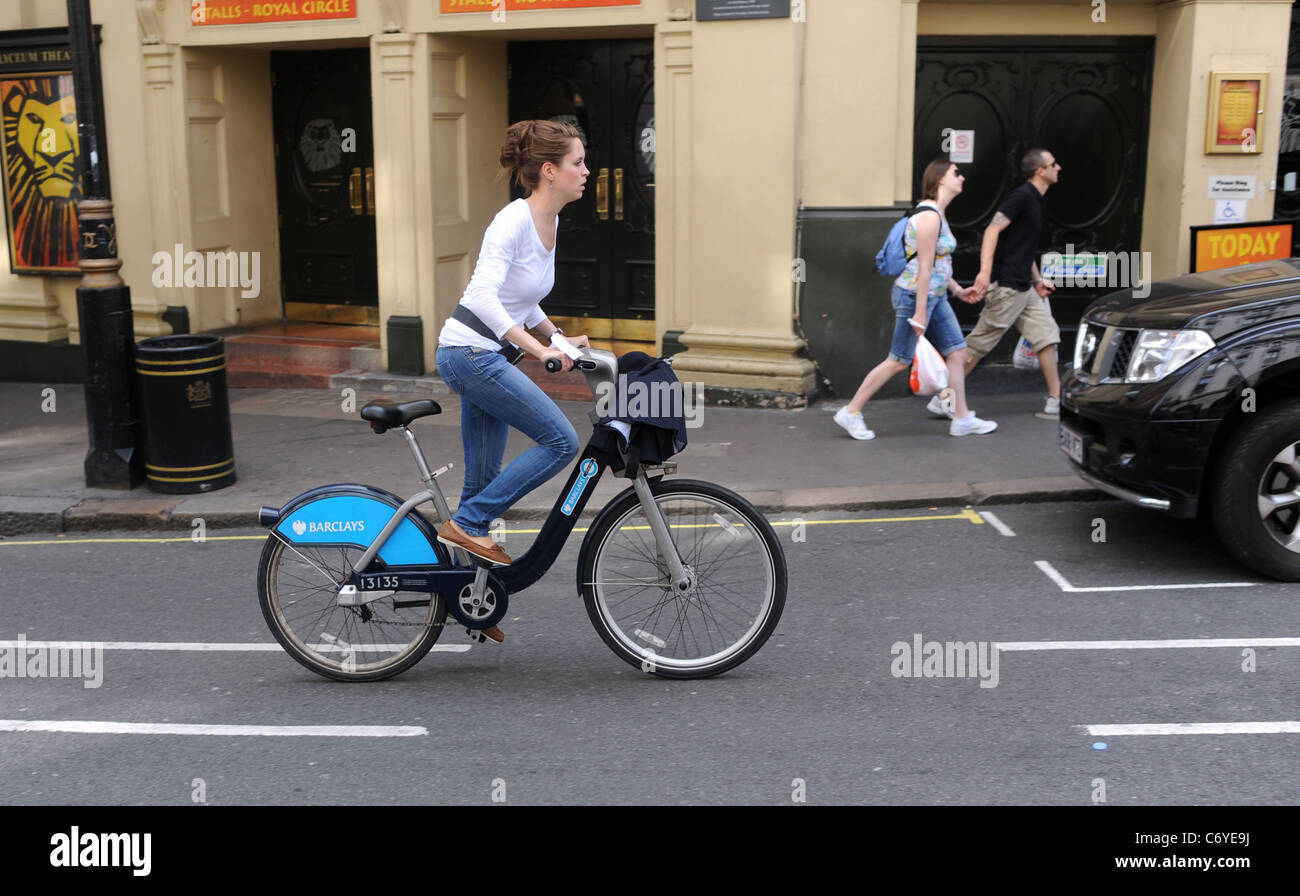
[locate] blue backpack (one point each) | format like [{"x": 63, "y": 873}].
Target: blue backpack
[{"x": 893, "y": 257}]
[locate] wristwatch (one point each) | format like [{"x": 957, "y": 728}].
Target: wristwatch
[{"x": 558, "y": 332}]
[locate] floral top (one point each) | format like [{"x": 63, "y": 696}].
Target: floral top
[{"x": 941, "y": 272}]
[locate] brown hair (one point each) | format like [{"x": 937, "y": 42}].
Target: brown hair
[
  {"x": 934, "y": 173},
  {"x": 529, "y": 144}
]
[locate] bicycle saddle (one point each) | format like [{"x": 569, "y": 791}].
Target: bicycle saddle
[{"x": 389, "y": 413}]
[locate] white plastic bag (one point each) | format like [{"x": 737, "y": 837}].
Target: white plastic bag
[
  {"x": 1024, "y": 357},
  {"x": 929, "y": 373}
]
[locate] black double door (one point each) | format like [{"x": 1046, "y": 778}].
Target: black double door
[
  {"x": 604, "y": 264},
  {"x": 324, "y": 169},
  {"x": 1087, "y": 101}
]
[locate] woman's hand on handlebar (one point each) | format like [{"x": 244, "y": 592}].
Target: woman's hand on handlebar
[{"x": 557, "y": 361}]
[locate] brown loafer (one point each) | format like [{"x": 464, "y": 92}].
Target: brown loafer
[
  {"x": 455, "y": 536},
  {"x": 495, "y": 634}
]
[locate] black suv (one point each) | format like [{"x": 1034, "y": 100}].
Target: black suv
[{"x": 1187, "y": 400}]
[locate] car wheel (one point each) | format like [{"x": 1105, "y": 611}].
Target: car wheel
[{"x": 1255, "y": 498}]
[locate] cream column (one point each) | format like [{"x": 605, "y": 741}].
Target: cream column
[
  {"x": 905, "y": 110},
  {"x": 399, "y": 90},
  {"x": 466, "y": 112},
  {"x": 741, "y": 211},
  {"x": 856, "y": 144},
  {"x": 673, "y": 133},
  {"x": 1193, "y": 39},
  {"x": 27, "y": 311},
  {"x": 164, "y": 142}
]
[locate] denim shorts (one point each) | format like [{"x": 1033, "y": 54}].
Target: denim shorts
[{"x": 942, "y": 329}]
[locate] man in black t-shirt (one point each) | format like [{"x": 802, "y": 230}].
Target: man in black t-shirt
[{"x": 1013, "y": 290}]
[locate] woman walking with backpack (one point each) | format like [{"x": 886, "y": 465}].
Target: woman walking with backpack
[{"x": 929, "y": 245}]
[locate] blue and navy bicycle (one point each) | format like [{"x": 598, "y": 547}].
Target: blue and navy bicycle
[{"x": 683, "y": 579}]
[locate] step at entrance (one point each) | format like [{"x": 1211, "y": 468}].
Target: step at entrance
[{"x": 298, "y": 356}]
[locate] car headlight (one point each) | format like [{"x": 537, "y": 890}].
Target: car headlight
[
  {"x": 1085, "y": 344},
  {"x": 1159, "y": 353}
]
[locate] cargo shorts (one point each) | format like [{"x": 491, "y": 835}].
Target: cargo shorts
[{"x": 1004, "y": 306}]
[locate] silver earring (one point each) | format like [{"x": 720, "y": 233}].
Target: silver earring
[{"x": 552, "y": 186}]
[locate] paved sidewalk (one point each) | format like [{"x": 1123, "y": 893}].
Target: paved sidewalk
[{"x": 290, "y": 440}]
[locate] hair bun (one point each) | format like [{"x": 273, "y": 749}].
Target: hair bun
[{"x": 531, "y": 143}]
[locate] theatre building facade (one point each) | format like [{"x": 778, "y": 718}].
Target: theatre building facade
[{"x": 336, "y": 161}]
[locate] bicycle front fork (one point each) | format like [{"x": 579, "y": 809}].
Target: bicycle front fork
[{"x": 667, "y": 550}]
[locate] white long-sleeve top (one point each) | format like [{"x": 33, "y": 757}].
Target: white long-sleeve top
[{"x": 514, "y": 272}]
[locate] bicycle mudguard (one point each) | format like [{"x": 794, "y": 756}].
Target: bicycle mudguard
[{"x": 354, "y": 515}]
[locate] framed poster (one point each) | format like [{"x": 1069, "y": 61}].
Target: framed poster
[
  {"x": 40, "y": 151},
  {"x": 1236, "y": 112}
]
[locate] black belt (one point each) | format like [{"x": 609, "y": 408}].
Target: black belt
[{"x": 511, "y": 352}]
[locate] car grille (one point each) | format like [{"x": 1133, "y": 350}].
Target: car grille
[{"x": 1106, "y": 352}]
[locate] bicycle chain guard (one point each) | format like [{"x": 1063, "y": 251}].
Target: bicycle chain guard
[{"x": 486, "y": 612}]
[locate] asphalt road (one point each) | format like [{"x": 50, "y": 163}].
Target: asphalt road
[{"x": 821, "y": 713}]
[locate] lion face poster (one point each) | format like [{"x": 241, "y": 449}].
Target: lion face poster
[{"x": 40, "y": 150}]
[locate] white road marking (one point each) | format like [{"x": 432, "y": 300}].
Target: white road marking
[
  {"x": 1064, "y": 584},
  {"x": 201, "y": 647},
  {"x": 967, "y": 514},
  {"x": 1172, "y": 643},
  {"x": 1196, "y": 728},
  {"x": 992, "y": 519},
  {"x": 86, "y": 727}
]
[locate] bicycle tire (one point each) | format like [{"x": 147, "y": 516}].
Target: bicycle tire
[
  {"x": 306, "y": 599},
  {"x": 710, "y": 524}
]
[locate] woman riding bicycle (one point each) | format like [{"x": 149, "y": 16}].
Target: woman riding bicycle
[{"x": 514, "y": 272}]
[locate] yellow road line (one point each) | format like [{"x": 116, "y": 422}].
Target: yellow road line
[
  {"x": 969, "y": 515},
  {"x": 137, "y": 540}
]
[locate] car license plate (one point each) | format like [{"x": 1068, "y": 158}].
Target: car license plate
[{"x": 1072, "y": 444}]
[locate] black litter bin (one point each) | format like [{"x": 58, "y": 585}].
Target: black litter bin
[{"x": 185, "y": 409}]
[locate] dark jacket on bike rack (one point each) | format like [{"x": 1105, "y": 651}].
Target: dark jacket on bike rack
[{"x": 657, "y": 432}]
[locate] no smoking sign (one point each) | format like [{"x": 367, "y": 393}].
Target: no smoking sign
[{"x": 961, "y": 146}]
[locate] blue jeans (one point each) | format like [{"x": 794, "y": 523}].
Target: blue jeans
[
  {"x": 942, "y": 329},
  {"x": 494, "y": 396}
]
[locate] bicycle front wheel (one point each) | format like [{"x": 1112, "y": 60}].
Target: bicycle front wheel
[
  {"x": 734, "y": 564},
  {"x": 298, "y": 588}
]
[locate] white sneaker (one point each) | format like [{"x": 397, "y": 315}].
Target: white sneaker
[
  {"x": 971, "y": 425},
  {"x": 1051, "y": 410},
  {"x": 854, "y": 423},
  {"x": 939, "y": 407}
]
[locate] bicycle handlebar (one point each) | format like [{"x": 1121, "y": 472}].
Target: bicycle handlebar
[{"x": 553, "y": 364}]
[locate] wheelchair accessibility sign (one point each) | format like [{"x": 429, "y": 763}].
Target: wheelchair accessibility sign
[{"x": 589, "y": 468}]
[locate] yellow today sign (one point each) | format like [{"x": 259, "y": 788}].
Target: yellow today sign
[{"x": 1225, "y": 247}]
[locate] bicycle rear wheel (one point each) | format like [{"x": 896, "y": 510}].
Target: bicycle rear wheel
[
  {"x": 737, "y": 579},
  {"x": 297, "y": 587}
]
